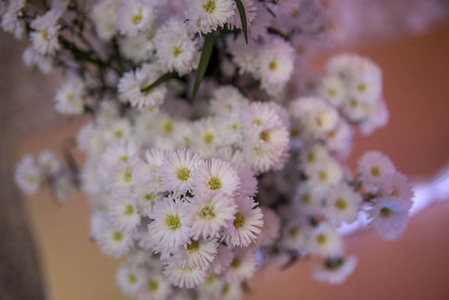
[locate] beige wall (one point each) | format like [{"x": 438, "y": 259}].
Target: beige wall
[{"x": 416, "y": 72}]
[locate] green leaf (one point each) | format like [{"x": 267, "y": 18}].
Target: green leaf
[
  {"x": 242, "y": 13},
  {"x": 158, "y": 81},
  {"x": 208, "y": 46}
]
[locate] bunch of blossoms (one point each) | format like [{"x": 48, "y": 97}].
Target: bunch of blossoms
[
  {"x": 30, "y": 175},
  {"x": 189, "y": 192}
]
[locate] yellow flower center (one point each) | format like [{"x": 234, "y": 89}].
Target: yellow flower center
[
  {"x": 210, "y": 6},
  {"x": 385, "y": 212},
  {"x": 214, "y": 183},
  {"x": 173, "y": 222},
  {"x": 239, "y": 221},
  {"x": 129, "y": 210},
  {"x": 183, "y": 174},
  {"x": 137, "y": 19},
  {"x": 341, "y": 204},
  {"x": 321, "y": 239}
]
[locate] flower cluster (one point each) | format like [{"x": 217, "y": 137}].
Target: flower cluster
[
  {"x": 196, "y": 194},
  {"x": 31, "y": 174}
]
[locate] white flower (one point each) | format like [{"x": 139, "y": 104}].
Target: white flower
[
  {"x": 147, "y": 171},
  {"x": 197, "y": 254},
  {"x": 216, "y": 176},
  {"x": 396, "y": 186},
  {"x": 176, "y": 49},
  {"x": 327, "y": 173},
  {"x": 119, "y": 129},
  {"x": 45, "y": 34},
  {"x": 295, "y": 235},
  {"x": 250, "y": 12},
  {"x": 10, "y": 19},
  {"x": 49, "y": 163},
  {"x": 107, "y": 111},
  {"x": 325, "y": 241},
  {"x": 207, "y": 15},
  {"x": 242, "y": 265},
  {"x": 119, "y": 153},
  {"x": 131, "y": 84},
  {"x": 136, "y": 15},
  {"x": 104, "y": 15},
  {"x": 155, "y": 287},
  {"x": 227, "y": 99},
  {"x": 275, "y": 65},
  {"x": 69, "y": 97},
  {"x": 343, "y": 204},
  {"x": 243, "y": 56},
  {"x": 373, "y": 167},
  {"x": 123, "y": 212},
  {"x": 206, "y": 214},
  {"x": 177, "y": 170},
  {"x": 168, "y": 229},
  {"x": 31, "y": 58},
  {"x": 316, "y": 115},
  {"x": 28, "y": 176},
  {"x": 207, "y": 136},
  {"x": 309, "y": 199},
  {"x": 390, "y": 218},
  {"x": 335, "y": 270},
  {"x": 247, "y": 223},
  {"x": 183, "y": 277},
  {"x": 333, "y": 90},
  {"x": 130, "y": 278},
  {"x": 112, "y": 241},
  {"x": 63, "y": 186},
  {"x": 266, "y": 137},
  {"x": 140, "y": 47}
]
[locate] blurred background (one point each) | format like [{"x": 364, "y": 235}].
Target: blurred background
[{"x": 416, "y": 87}]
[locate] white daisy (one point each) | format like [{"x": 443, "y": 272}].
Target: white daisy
[
  {"x": 136, "y": 15},
  {"x": 155, "y": 287},
  {"x": 69, "y": 97},
  {"x": 206, "y": 214},
  {"x": 309, "y": 199},
  {"x": 177, "y": 170},
  {"x": 176, "y": 48},
  {"x": 216, "y": 176},
  {"x": 372, "y": 168},
  {"x": 104, "y": 15},
  {"x": 183, "y": 277},
  {"x": 114, "y": 242},
  {"x": 247, "y": 223},
  {"x": 63, "y": 186},
  {"x": 45, "y": 34},
  {"x": 207, "y": 15},
  {"x": 389, "y": 218},
  {"x": 343, "y": 204},
  {"x": 123, "y": 213},
  {"x": 129, "y": 278},
  {"x": 275, "y": 65},
  {"x": 335, "y": 270},
  {"x": 49, "y": 163},
  {"x": 197, "y": 254},
  {"x": 242, "y": 265},
  {"x": 325, "y": 241},
  {"x": 397, "y": 187},
  {"x": 168, "y": 229},
  {"x": 118, "y": 153},
  {"x": 28, "y": 176}
]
